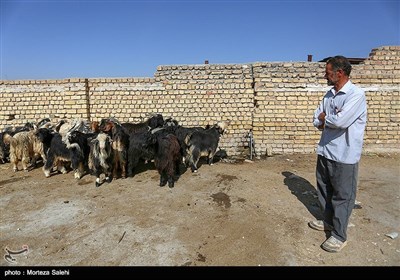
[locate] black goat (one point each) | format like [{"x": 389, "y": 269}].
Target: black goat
[
  {"x": 101, "y": 157},
  {"x": 203, "y": 143}
]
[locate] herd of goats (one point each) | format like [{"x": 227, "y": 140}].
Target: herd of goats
[{"x": 109, "y": 147}]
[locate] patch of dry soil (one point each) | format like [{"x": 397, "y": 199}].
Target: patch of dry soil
[{"x": 228, "y": 214}]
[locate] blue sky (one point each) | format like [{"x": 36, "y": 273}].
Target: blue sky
[{"x": 87, "y": 39}]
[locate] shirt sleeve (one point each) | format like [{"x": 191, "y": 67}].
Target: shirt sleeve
[
  {"x": 319, "y": 110},
  {"x": 351, "y": 110}
]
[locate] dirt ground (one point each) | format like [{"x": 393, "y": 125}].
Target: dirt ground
[{"x": 234, "y": 213}]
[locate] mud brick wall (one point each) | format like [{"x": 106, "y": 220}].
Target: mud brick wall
[
  {"x": 127, "y": 99},
  {"x": 275, "y": 100},
  {"x": 379, "y": 76},
  {"x": 31, "y": 100},
  {"x": 206, "y": 94},
  {"x": 287, "y": 93},
  {"x": 195, "y": 95}
]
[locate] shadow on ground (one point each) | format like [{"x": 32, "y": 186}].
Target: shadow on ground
[{"x": 304, "y": 191}]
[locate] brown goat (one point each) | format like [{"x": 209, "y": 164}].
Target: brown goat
[
  {"x": 120, "y": 145},
  {"x": 167, "y": 159}
]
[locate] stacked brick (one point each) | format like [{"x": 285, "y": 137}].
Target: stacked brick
[
  {"x": 32, "y": 100},
  {"x": 206, "y": 94},
  {"x": 286, "y": 95},
  {"x": 379, "y": 75},
  {"x": 274, "y": 99},
  {"x": 127, "y": 99}
]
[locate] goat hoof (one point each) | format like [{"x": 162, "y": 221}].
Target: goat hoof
[{"x": 97, "y": 185}]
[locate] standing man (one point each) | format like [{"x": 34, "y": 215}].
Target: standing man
[{"x": 341, "y": 116}]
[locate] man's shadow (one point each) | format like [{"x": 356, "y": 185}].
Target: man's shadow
[{"x": 304, "y": 191}]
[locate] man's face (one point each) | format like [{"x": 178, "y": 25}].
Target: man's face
[{"x": 330, "y": 75}]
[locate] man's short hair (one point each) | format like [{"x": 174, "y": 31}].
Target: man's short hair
[{"x": 340, "y": 62}]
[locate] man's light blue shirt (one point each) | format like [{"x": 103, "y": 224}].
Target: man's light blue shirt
[{"x": 345, "y": 120}]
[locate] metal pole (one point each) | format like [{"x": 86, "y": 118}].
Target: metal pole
[{"x": 251, "y": 144}]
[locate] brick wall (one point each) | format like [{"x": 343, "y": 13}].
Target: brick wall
[
  {"x": 205, "y": 94},
  {"x": 286, "y": 96},
  {"x": 380, "y": 77},
  {"x": 274, "y": 99},
  {"x": 30, "y": 100},
  {"x": 128, "y": 99}
]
